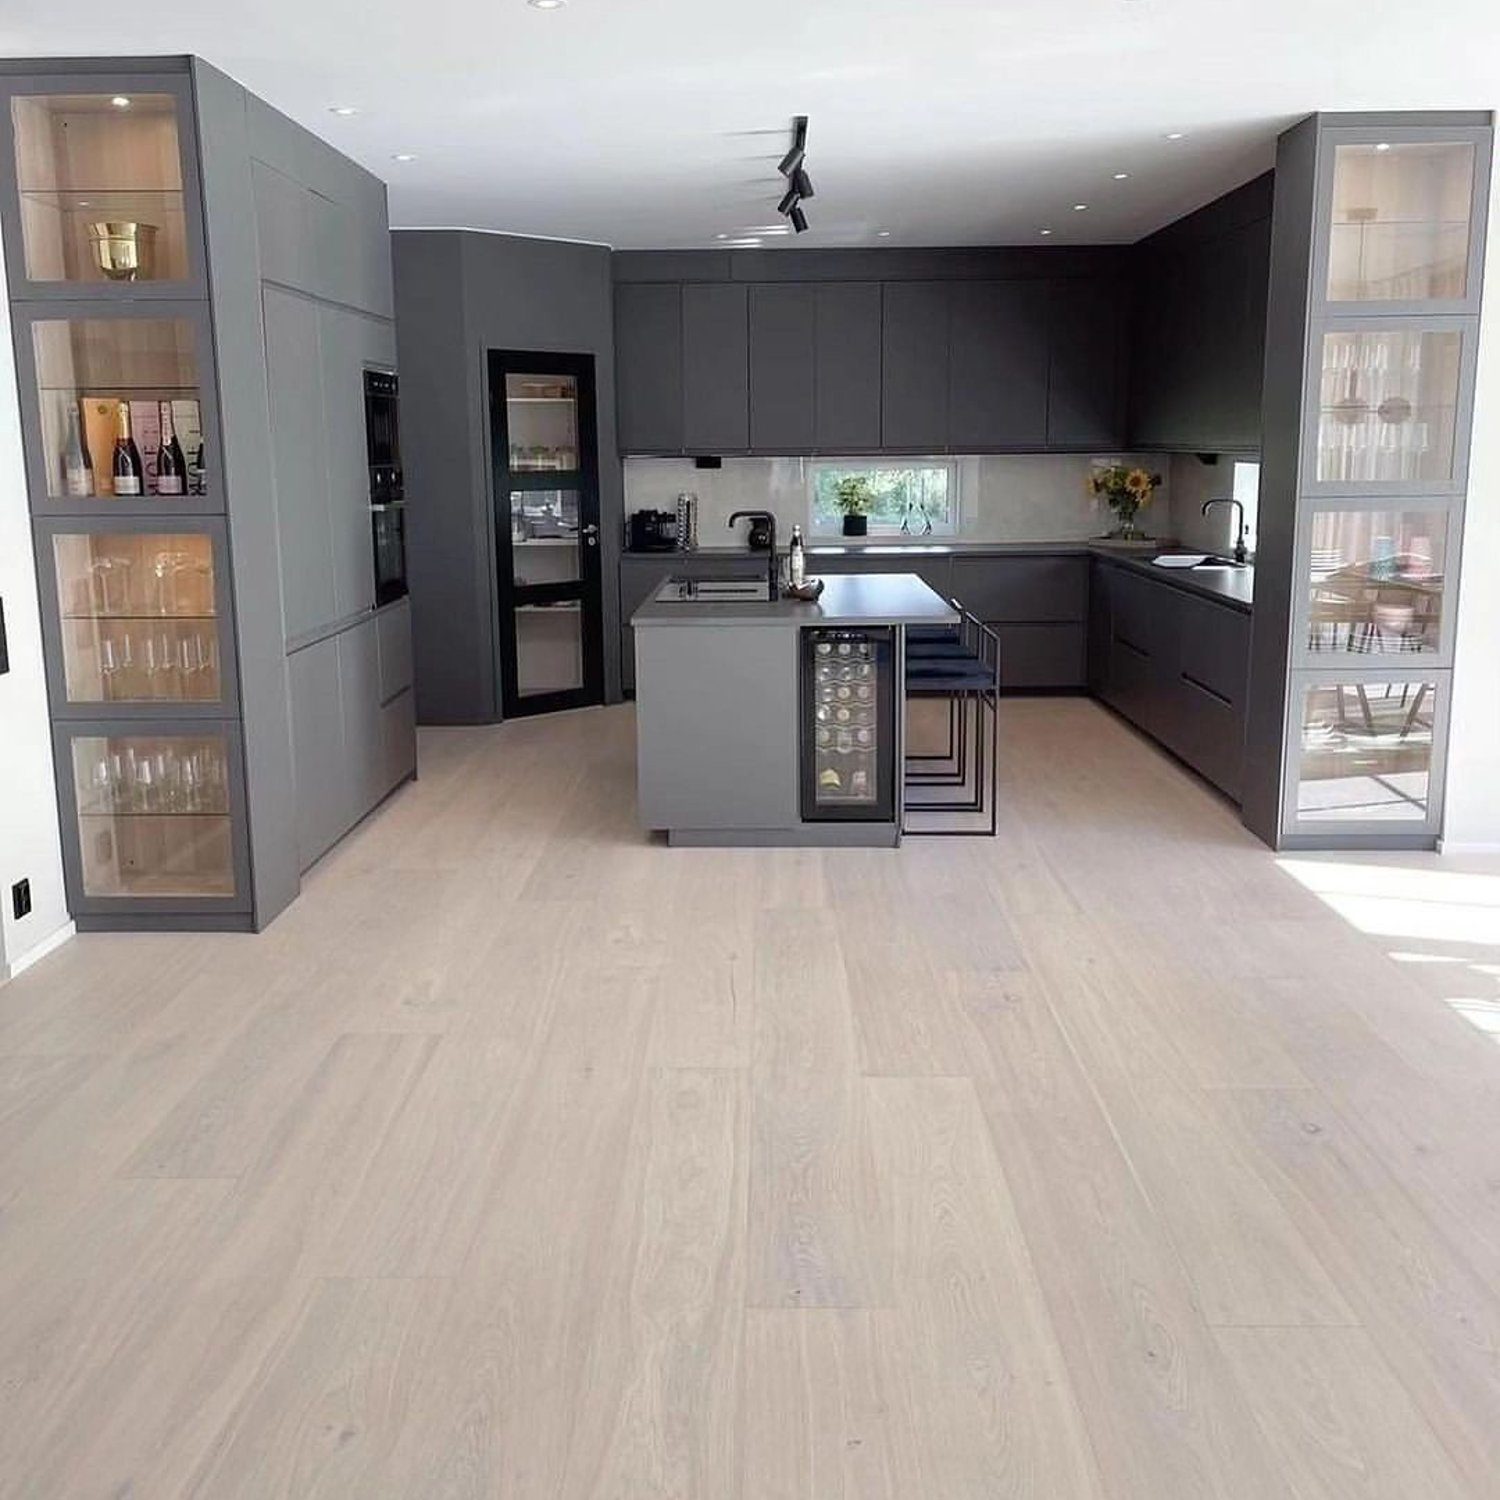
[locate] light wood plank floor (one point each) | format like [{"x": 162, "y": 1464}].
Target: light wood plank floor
[{"x": 1113, "y": 1159}]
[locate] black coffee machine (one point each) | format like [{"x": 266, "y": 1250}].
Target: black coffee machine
[{"x": 652, "y": 531}]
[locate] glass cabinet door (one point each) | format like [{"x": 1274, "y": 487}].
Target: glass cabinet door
[
  {"x": 155, "y": 814},
  {"x": 100, "y": 181},
  {"x": 1376, "y": 583},
  {"x": 140, "y": 618},
  {"x": 1388, "y": 409},
  {"x": 1401, "y": 221},
  {"x": 541, "y": 414},
  {"x": 103, "y": 382},
  {"x": 1365, "y": 752}
]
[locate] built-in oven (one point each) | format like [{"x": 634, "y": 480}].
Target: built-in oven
[{"x": 387, "y": 487}]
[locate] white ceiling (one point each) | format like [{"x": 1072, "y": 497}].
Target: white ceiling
[{"x": 659, "y": 122}]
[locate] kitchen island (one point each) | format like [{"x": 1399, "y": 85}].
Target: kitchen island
[{"x": 777, "y": 722}]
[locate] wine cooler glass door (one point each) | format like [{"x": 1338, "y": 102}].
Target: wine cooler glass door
[{"x": 848, "y": 729}]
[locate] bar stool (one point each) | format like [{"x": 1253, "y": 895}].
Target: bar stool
[{"x": 961, "y": 665}]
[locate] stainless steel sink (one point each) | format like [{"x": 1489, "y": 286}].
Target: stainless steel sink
[{"x": 715, "y": 591}]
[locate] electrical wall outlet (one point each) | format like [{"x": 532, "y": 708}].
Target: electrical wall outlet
[{"x": 20, "y": 898}]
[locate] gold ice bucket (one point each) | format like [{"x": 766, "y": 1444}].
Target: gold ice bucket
[{"x": 124, "y": 251}]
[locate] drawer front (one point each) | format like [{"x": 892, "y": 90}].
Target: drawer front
[
  {"x": 1042, "y": 656},
  {"x": 393, "y": 635},
  {"x": 1210, "y": 736},
  {"x": 1215, "y": 648},
  {"x": 1023, "y": 590}
]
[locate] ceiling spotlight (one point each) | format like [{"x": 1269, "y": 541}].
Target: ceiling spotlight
[
  {"x": 342, "y": 110},
  {"x": 803, "y": 183},
  {"x": 789, "y": 201},
  {"x": 792, "y": 161},
  {"x": 120, "y": 102},
  {"x": 1078, "y": 208},
  {"x": 799, "y": 219},
  {"x": 405, "y": 156},
  {"x": 1121, "y": 176},
  {"x": 1176, "y": 135}
]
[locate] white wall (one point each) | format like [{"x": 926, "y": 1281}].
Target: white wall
[
  {"x": 28, "y": 803},
  {"x": 1003, "y": 498},
  {"x": 1472, "y": 819}
]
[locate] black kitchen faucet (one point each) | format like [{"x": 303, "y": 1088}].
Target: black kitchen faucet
[{"x": 770, "y": 520}]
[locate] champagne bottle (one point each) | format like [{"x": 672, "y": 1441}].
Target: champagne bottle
[
  {"x": 129, "y": 472},
  {"x": 796, "y": 562},
  {"x": 78, "y": 467},
  {"x": 200, "y": 475},
  {"x": 171, "y": 465}
]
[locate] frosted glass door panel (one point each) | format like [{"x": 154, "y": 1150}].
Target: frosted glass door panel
[
  {"x": 1366, "y": 752},
  {"x": 544, "y": 536},
  {"x": 541, "y": 415},
  {"x": 1388, "y": 406},
  {"x": 1401, "y": 222},
  {"x": 1377, "y": 581},
  {"x": 549, "y": 648}
]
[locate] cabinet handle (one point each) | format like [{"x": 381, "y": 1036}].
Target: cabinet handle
[
  {"x": 1203, "y": 687},
  {"x": 1131, "y": 646}
]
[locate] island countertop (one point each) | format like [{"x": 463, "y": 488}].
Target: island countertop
[{"x": 848, "y": 599}]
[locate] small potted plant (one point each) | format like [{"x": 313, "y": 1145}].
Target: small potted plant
[
  {"x": 1125, "y": 490},
  {"x": 854, "y": 498}
]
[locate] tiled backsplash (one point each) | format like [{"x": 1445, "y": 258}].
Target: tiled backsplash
[{"x": 1002, "y": 498}]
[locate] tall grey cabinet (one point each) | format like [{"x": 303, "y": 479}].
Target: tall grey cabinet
[
  {"x": 158, "y": 220},
  {"x": 1372, "y": 330}
]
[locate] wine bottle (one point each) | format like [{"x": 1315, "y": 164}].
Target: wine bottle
[
  {"x": 129, "y": 472},
  {"x": 200, "y": 475},
  {"x": 796, "y": 562},
  {"x": 171, "y": 466},
  {"x": 78, "y": 467}
]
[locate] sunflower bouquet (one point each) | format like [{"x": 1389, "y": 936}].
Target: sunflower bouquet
[{"x": 1125, "y": 490}]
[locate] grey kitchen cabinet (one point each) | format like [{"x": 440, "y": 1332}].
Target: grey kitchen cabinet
[
  {"x": 359, "y": 693},
  {"x": 1176, "y": 665},
  {"x": 1047, "y": 589},
  {"x": 1197, "y": 327},
  {"x": 783, "y": 367},
  {"x": 935, "y": 570},
  {"x": 299, "y": 456},
  {"x": 393, "y": 641},
  {"x": 914, "y": 366},
  {"x": 1042, "y": 657},
  {"x": 847, "y": 357},
  {"x": 317, "y": 748},
  {"x": 715, "y": 368},
  {"x": 648, "y": 361},
  {"x": 997, "y": 365},
  {"x": 1085, "y": 372}
]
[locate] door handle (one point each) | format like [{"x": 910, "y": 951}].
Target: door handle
[{"x": 590, "y": 534}]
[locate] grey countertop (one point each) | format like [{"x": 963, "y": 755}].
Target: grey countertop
[
  {"x": 1232, "y": 586},
  {"x": 848, "y": 599},
  {"x": 938, "y": 547}
]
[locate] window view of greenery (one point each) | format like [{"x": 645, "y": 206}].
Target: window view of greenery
[{"x": 921, "y": 497}]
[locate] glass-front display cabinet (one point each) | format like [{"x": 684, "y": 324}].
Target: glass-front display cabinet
[
  {"x": 1399, "y": 207},
  {"x": 156, "y": 815},
  {"x": 108, "y": 196},
  {"x": 118, "y": 413},
  {"x": 138, "y": 619}
]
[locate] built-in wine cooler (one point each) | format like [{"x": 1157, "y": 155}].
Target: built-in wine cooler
[{"x": 848, "y": 725}]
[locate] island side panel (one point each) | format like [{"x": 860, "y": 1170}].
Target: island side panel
[{"x": 716, "y": 726}]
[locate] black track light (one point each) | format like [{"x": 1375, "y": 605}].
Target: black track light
[
  {"x": 793, "y": 159},
  {"x": 803, "y": 183},
  {"x": 799, "y": 219},
  {"x": 789, "y": 201}
]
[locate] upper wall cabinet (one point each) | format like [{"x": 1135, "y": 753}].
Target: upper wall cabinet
[
  {"x": 1197, "y": 328},
  {"x": 783, "y": 367},
  {"x": 914, "y": 366},
  {"x": 715, "y": 368},
  {"x": 997, "y": 365},
  {"x": 1085, "y": 375},
  {"x": 847, "y": 377},
  {"x": 108, "y": 196},
  {"x": 648, "y": 365}
]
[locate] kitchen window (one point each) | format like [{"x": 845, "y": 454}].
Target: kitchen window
[{"x": 919, "y": 496}]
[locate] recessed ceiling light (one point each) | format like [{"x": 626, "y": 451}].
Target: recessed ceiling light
[
  {"x": 1176, "y": 135},
  {"x": 120, "y": 102},
  {"x": 1121, "y": 176},
  {"x": 748, "y": 241},
  {"x": 546, "y": 4},
  {"x": 882, "y": 234},
  {"x": 343, "y": 110},
  {"x": 1078, "y": 208},
  {"x": 405, "y": 156},
  {"x": 1044, "y": 231},
  {"x": 1383, "y": 146}
]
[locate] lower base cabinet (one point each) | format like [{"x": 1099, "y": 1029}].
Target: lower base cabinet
[{"x": 1174, "y": 664}]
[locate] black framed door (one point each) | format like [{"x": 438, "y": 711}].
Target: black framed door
[{"x": 544, "y": 452}]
